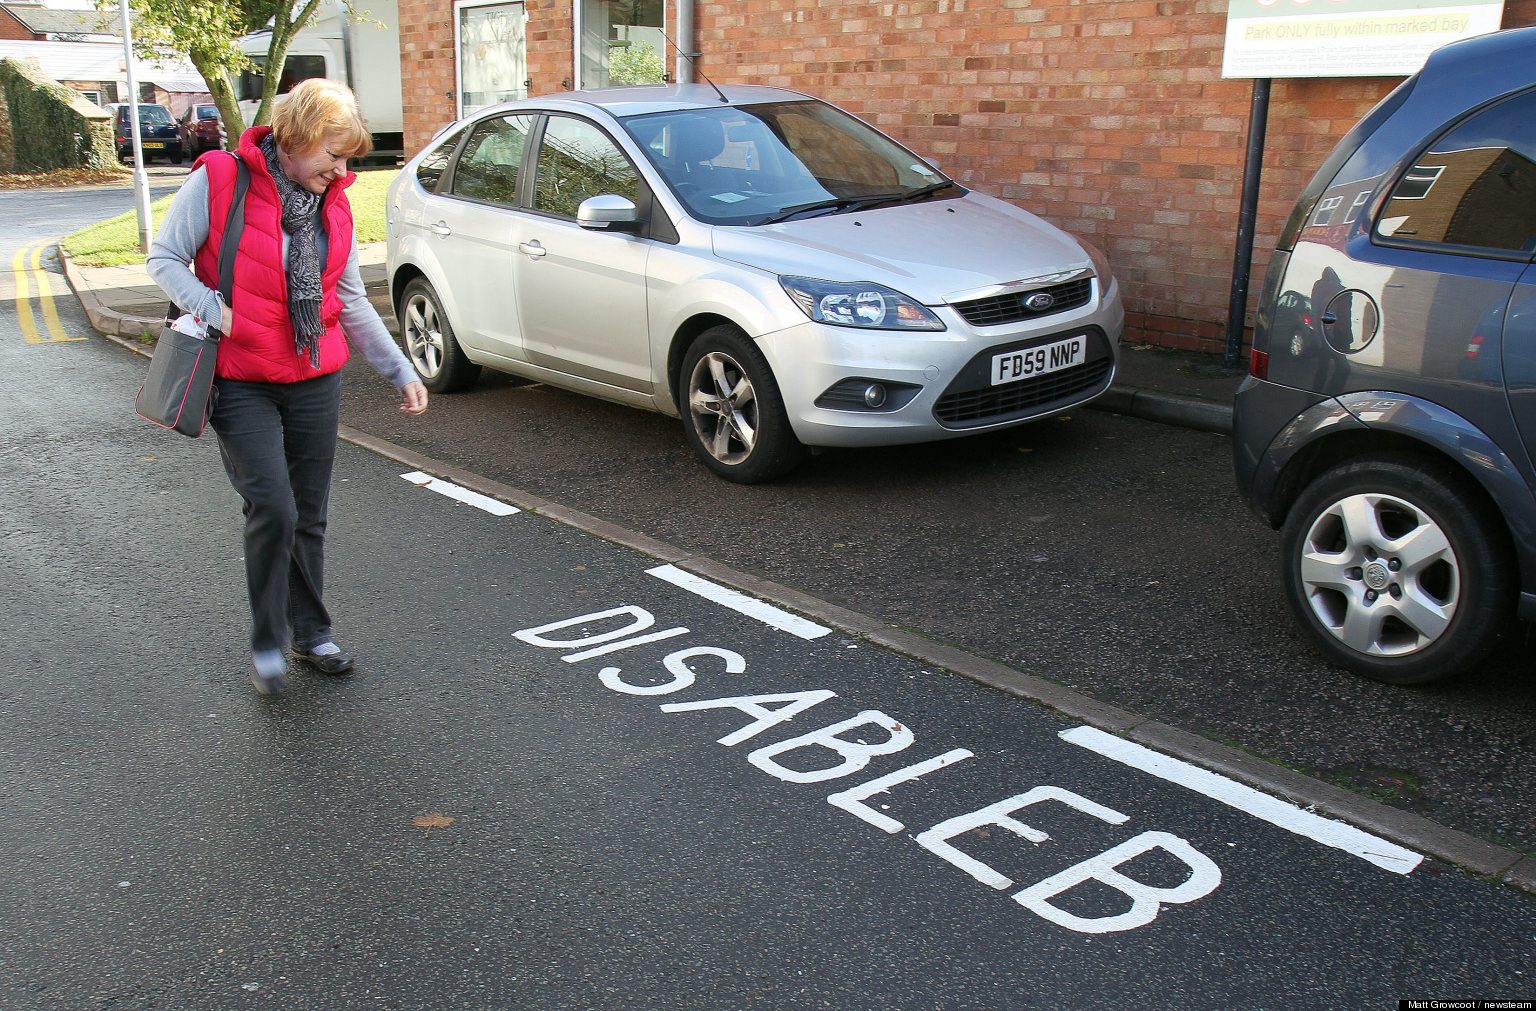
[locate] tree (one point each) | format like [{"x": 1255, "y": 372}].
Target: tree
[{"x": 206, "y": 32}]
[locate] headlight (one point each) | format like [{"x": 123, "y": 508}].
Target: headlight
[{"x": 859, "y": 304}]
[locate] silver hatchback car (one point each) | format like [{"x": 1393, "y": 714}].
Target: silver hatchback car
[{"x": 765, "y": 266}]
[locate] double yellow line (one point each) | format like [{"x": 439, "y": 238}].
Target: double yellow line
[{"x": 39, "y": 276}]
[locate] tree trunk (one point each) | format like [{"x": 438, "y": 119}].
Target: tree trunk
[
  {"x": 223, "y": 96},
  {"x": 284, "y": 28}
]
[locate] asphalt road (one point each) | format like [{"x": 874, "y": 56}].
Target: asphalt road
[
  {"x": 508, "y": 807},
  {"x": 1105, "y": 553}
]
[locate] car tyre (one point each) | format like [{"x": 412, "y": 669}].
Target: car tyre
[
  {"x": 429, "y": 340},
  {"x": 732, "y": 410},
  {"x": 1399, "y": 569}
]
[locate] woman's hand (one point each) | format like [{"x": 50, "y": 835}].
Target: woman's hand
[
  {"x": 413, "y": 398},
  {"x": 226, "y": 319}
]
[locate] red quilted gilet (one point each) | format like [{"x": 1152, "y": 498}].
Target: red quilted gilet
[{"x": 261, "y": 346}]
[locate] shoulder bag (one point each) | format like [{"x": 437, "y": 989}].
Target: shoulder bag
[{"x": 178, "y": 390}]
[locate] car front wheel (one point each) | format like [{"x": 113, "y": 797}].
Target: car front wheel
[
  {"x": 1398, "y": 568},
  {"x": 430, "y": 343},
  {"x": 732, "y": 411}
]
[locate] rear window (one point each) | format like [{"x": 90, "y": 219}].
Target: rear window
[
  {"x": 157, "y": 114},
  {"x": 1474, "y": 190}
]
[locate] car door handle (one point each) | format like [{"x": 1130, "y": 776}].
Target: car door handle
[
  {"x": 533, "y": 248},
  {"x": 440, "y": 228}
]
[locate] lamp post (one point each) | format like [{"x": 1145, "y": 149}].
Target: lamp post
[{"x": 140, "y": 178}]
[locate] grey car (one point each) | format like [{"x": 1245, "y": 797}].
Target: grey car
[
  {"x": 772, "y": 270},
  {"x": 1387, "y": 426}
]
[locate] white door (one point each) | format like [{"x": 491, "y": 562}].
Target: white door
[
  {"x": 471, "y": 226},
  {"x": 490, "y": 44}
]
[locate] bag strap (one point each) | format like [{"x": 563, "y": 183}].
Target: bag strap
[{"x": 233, "y": 226}]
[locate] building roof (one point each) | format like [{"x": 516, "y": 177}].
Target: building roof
[
  {"x": 102, "y": 61},
  {"x": 45, "y": 21}
]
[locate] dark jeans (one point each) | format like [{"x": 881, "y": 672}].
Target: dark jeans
[{"x": 278, "y": 441}]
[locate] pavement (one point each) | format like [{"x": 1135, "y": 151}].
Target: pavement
[{"x": 1188, "y": 388}]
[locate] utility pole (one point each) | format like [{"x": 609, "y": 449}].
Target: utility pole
[{"x": 140, "y": 177}]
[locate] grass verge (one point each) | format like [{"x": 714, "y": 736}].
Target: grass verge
[{"x": 115, "y": 241}]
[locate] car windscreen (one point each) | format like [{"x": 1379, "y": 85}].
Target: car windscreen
[
  {"x": 207, "y": 112},
  {"x": 156, "y": 114},
  {"x": 755, "y": 164}
]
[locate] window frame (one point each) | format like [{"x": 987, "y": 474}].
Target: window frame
[
  {"x": 579, "y": 26},
  {"x": 447, "y": 183},
  {"x": 1406, "y": 165},
  {"x": 643, "y": 203}
]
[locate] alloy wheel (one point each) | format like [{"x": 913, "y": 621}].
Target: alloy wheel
[
  {"x": 423, "y": 335},
  {"x": 724, "y": 409},
  {"x": 1380, "y": 574}
]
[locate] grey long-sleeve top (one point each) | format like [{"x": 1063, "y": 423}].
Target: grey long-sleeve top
[{"x": 183, "y": 233}]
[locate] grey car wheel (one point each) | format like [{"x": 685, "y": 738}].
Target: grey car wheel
[
  {"x": 732, "y": 410},
  {"x": 1397, "y": 569},
  {"x": 430, "y": 343}
]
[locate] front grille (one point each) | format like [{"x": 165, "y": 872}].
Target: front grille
[
  {"x": 972, "y": 401},
  {"x": 1010, "y": 308},
  {"x": 1026, "y": 397}
]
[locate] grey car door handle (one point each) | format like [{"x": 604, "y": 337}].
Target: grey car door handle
[
  {"x": 534, "y": 248},
  {"x": 440, "y": 228}
]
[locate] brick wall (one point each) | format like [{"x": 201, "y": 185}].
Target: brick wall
[
  {"x": 1109, "y": 118},
  {"x": 14, "y": 31}
]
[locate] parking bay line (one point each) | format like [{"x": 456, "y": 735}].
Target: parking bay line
[
  {"x": 460, "y": 494},
  {"x": 1336, "y": 834},
  {"x": 739, "y": 602}
]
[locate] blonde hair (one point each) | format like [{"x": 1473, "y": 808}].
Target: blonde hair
[{"x": 316, "y": 109}]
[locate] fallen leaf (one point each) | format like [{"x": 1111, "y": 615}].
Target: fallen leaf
[{"x": 430, "y": 821}]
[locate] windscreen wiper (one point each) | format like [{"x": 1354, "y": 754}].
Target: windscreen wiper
[
  {"x": 858, "y": 203},
  {"x": 906, "y": 196},
  {"x": 835, "y": 204}
]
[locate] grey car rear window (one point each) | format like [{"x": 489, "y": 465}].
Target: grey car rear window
[{"x": 1474, "y": 189}]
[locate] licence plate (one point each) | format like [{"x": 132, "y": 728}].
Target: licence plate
[
  {"x": 1013, "y": 366},
  {"x": 153, "y": 143}
]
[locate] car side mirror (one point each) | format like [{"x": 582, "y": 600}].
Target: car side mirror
[{"x": 608, "y": 212}]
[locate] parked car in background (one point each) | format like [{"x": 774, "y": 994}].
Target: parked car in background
[
  {"x": 157, "y": 132},
  {"x": 1391, "y": 437},
  {"x": 763, "y": 265},
  {"x": 201, "y": 129}
]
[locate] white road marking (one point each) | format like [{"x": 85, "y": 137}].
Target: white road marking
[
  {"x": 740, "y": 602},
  {"x": 1367, "y": 847},
  {"x": 459, "y": 494}
]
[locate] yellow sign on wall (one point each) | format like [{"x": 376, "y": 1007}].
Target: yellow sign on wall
[{"x": 1347, "y": 38}]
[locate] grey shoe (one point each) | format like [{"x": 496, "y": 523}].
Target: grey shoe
[
  {"x": 269, "y": 684},
  {"x": 326, "y": 663},
  {"x": 269, "y": 671}
]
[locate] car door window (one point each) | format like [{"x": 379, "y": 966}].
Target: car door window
[
  {"x": 1475, "y": 188},
  {"x": 577, "y": 161},
  {"x": 487, "y": 169},
  {"x": 430, "y": 169}
]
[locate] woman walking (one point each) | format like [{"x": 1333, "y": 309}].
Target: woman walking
[{"x": 297, "y": 299}]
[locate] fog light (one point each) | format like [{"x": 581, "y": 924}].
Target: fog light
[{"x": 874, "y": 395}]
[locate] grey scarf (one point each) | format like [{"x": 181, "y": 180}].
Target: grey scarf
[{"x": 299, "y": 222}]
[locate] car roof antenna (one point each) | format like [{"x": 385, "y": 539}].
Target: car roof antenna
[{"x": 693, "y": 62}]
